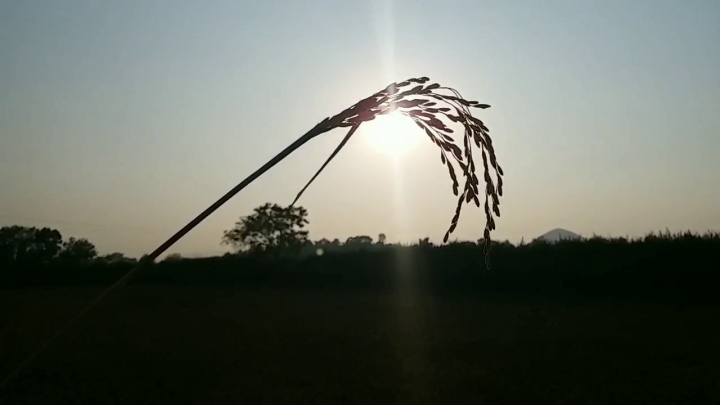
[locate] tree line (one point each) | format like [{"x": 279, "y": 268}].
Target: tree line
[
  {"x": 25, "y": 245},
  {"x": 684, "y": 264},
  {"x": 270, "y": 228}
]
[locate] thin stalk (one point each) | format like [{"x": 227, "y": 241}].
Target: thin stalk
[{"x": 335, "y": 152}]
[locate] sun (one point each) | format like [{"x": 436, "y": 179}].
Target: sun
[{"x": 393, "y": 134}]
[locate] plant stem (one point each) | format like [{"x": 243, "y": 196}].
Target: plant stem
[{"x": 335, "y": 152}]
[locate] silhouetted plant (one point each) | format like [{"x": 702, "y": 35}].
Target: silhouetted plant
[{"x": 427, "y": 105}]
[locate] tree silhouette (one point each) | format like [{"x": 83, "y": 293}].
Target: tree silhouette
[
  {"x": 23, "y": 244},
  {"x": 115, "y": 257},
  {"x": 358, "y": 240},
  {"x": 323, "y": 242},
  {"x": 270, "y": 227},
  {"x": 173, "y": 257},
  {"x": 381, "y": 239},
  {"x": 425, "y": 242},
  {"x": 78, "y": 250}
]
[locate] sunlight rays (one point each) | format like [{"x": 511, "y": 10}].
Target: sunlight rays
[{"x": 385, "y": 36}]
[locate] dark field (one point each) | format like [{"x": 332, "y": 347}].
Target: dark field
[{"x": 176, "y": 344}]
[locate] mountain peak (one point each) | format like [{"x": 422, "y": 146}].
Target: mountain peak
[{"x": 557, "y": 235}]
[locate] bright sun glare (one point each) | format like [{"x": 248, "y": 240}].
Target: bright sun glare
[{"x": 393, "y": 134}]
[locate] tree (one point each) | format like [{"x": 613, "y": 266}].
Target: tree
[
  {"x": 173, "y": 257},
  {"x": 425, "y": 242},
  {"x": 78, "y": 250},
  {"x": 381, "y": 239},
  {"x": 29, "y": 244},
  {"x": 362, "y": 239},
  {"x": 270, "y": 227},
  {"x": 48, "y": 243},
  {"x": 144, "y": 257},
  {"x": 115, "y": 257}
]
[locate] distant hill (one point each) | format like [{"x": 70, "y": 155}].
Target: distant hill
[{"x": 557, "y": 235}]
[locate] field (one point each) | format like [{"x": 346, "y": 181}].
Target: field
[{"x": 204, "y": 344}]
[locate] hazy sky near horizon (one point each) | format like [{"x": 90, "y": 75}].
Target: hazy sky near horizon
[{"x": 122, "y": 120}]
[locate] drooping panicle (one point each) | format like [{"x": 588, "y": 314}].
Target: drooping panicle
[{"x": 429, "y": 105}]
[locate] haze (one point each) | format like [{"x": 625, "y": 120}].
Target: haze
[{"x": 120, "y": 121}]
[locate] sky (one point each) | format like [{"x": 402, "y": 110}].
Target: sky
[{"x": 121, "y": 121}]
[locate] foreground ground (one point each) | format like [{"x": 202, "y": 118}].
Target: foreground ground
[{"x": 228, "y": 344}]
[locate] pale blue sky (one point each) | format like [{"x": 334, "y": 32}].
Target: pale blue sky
[{"x": 120, "y": 121}]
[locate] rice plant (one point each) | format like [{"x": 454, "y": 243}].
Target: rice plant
[{"x": 427, "y": 105}]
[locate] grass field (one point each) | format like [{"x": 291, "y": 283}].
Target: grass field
[{"x": 231, "y": 344}]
